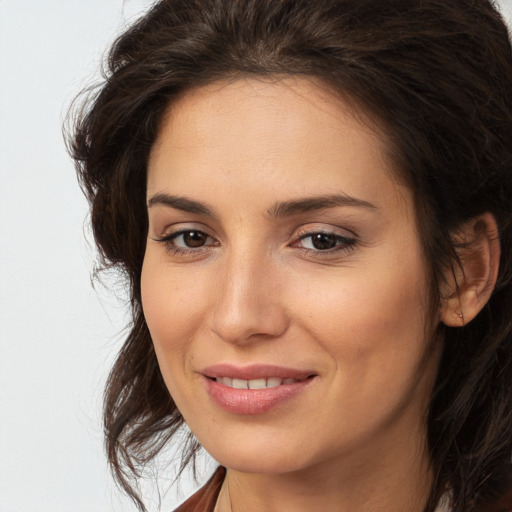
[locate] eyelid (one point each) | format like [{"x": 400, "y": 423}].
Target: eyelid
[
  {"x": 311, "y": 229},
  {"x": 181, "y": 227},
  {"x": 346, "y": 240},
  {"x": 171, "y": 233}
]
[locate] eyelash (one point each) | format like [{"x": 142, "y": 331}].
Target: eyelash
[
  {"x": 343, "y": 243},
  {"x": 169, "y": 242}
]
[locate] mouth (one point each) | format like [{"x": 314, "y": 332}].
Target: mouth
[
  {"x": 254, "y": 389},
  {"x": 256, "y": 376},
  {"x": 272, "y": 382}
]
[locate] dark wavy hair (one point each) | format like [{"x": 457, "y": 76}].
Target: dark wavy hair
[{"x": 434, "y": 75}]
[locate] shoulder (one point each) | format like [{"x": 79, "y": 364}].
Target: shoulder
[{"x": 204, "y": 499}]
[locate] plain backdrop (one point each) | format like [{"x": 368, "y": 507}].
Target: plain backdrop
[{"x": 58, "y": 336}]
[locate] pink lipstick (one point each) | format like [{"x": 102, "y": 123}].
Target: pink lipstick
[{"x": 253, "y": 389}]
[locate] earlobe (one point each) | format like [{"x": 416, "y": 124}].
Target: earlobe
[{"x": 469, "y": 286}]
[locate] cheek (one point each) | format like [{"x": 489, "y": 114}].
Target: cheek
[
  {"x": 172, "y": 309},
  {"x": 170, "y": 297},
  {"x": 373, "y": 333},
  {"x": 169, "y": 310},
  {"x": 371, "y": 322}
]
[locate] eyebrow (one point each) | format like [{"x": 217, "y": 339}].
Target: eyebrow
[
  {"x": 181, "y": 203},
  {"x": 288, "y": 208},
  {"x": 281, "y": 209}
]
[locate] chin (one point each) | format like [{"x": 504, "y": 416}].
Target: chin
[
  {"x": 264, "y": 455},
  {"x": 259, "y": 461}
]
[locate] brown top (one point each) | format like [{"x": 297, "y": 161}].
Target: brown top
[{"x": 204, "y": 499}]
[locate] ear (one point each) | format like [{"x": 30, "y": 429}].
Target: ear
[{"x": 468, "y": 287}]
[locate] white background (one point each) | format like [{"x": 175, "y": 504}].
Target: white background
[{"x": 58, "y": 336}]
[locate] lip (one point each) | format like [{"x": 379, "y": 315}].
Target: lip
[
  {"x": 254, "y": 401},
  {"x": 255, "y": 371}
]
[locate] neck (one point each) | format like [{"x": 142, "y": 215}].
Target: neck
[{"x": 378, "y": 480}]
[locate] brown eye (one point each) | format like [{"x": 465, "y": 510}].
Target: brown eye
[
  {"x": 324, "y": 241},
  {"x": 187, "y": 241},
  {"x": 193, "y": 239}
]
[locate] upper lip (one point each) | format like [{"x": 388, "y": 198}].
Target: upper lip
[{"x": 255, "y": 371}]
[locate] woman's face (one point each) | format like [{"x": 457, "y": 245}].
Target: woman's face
[{"x": 282, "y": 256}]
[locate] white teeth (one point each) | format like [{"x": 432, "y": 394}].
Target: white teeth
[
  {"x": 240, "y": 384},
  {"x": 271, "y": 382},
  {"x": 257, "y": 384},
  {"x": 227, "y": 381}
]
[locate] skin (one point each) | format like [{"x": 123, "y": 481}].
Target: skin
[{"x": 258, "y": 291}]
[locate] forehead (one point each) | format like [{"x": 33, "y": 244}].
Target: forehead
[{"x": 292, "y": 132}]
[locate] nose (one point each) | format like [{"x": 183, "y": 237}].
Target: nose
[{"x": 248, "y": 304}]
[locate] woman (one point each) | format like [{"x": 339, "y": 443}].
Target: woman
[{"x": 311, "y": 202}]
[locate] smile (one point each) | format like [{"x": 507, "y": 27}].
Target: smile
[
  {"x": 254, "y": 389},
  {"x": 271, "y": 382}
]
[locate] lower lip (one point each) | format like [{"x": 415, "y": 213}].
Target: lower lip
[{"x": 252, "y": 401}]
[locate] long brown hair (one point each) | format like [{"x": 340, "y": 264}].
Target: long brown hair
[{"x": 435, "y": 75}]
